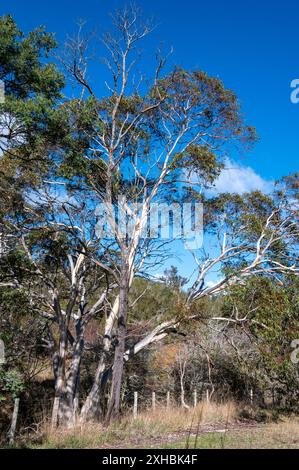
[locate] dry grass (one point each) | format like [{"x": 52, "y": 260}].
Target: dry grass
[
  {"x": 149, "y": 424},
  {"x": 178, "y": 418},
  {"x": 285, "y": 433}
]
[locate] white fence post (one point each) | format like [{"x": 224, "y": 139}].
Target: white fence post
[
  {"x": 55, "y": 413},
  {"x": 12, "y": 431},
  {"x": 154, "y": 401},
  {"x": 195, "y": 398},
  {"x": 251, "y": 396},
  {"x": 135, "y": 408},
  {"x": 168, "y": 400}
]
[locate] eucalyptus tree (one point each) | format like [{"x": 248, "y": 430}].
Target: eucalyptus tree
[
  {"x": 37, "y": 257},
  {"x": 149, "y": 139},
  {"x": 254, "y": 236},
  {"x": 143, "y": 143}
]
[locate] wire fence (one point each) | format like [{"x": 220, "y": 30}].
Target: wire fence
[{"x": 27, "y": 414}]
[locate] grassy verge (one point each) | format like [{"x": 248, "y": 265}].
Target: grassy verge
[
  {"x": 148, "y": 425},
  {"x": 274, "y": 436},
  {"x": 215, "y": 425}
]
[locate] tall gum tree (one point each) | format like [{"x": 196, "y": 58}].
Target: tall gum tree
[
  {"x": 142, "y": 143},
  {"x": 145, "y": 139}
]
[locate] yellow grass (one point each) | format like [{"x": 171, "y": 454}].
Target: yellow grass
[
  {"x": 149, "y": 424},
  {"x": 178, "y": 418}
]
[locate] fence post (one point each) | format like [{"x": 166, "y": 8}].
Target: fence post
[
  {"x": 135, "y": 408},
  {"x": 12, "y": 431},
  {"x": 55, "y": 413},
  {"x": 168, "y": 400},
  {"x": 154, "y": 401},
  {"x": 195, "y": 398},
  {"x": 251, "y": 396}
]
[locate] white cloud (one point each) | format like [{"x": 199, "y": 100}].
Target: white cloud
[{"x": 239, "y": 179}]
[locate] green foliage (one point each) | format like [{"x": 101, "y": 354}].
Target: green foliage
[
  {"x": 212, "y": 103},
  {"x": 29, "y": 118},
  {"x": 11, "y": 383},
  {"x": 157, "y": 300},
  {"x": 201, "y": 161},
  {"x": 273, "y": 323},
  {"x": 20, "y": 62}
]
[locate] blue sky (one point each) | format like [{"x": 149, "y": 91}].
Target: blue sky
[{"x": 251, "y": 45}]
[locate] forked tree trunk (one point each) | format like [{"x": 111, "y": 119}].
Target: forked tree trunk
[
  {"x": 91, "y": 410},
  {"x": 66, "y": 383},
  {"x": 66, "y": 415},
  {"x": 113, "y": 408}
]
